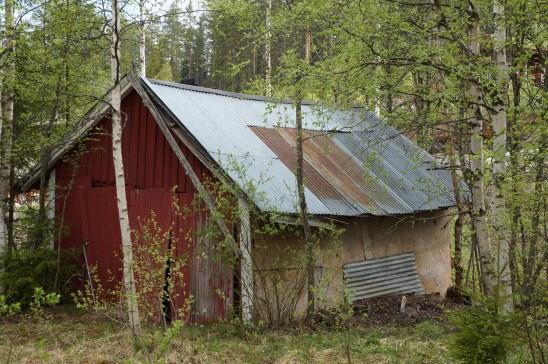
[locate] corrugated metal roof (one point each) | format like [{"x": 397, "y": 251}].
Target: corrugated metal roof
[
  {"x": 378, "y": 277},
  {"x": 354, "y": 163}
]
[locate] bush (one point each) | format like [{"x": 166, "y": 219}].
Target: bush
[
  {"x": 41, "y": 299},
  {"x": 26, "y": 269},
  {"x": 485, "y": 335},
  {"x": 8, "y": 309}
]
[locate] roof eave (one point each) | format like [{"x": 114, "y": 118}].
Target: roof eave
[{"x": 86, "y": 123}]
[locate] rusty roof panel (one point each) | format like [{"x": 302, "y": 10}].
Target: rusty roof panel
[{"x": 319, "y": 183}]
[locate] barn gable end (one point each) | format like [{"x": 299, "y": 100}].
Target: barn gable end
[{"x": 86, "y": 205}]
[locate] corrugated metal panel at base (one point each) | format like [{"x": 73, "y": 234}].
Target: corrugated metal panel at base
[{"x": 382, "y": 276}]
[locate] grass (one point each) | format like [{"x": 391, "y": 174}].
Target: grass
[{"x": 71, "y": 337}]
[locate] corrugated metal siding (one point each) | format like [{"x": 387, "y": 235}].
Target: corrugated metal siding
[
  {"x": 211, "y": 275},
  {"x": 382, "y": 276},
  {"x": 368, "y": 168}
]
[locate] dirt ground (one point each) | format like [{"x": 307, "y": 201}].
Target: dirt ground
[{"x": 388, "y": 309}]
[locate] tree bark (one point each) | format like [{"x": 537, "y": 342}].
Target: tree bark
[
  {"x": 459, "y": 271},
  {"x": 246, "y": 262},
  {"x": 125, "y": 229},
  {"x": 499, "y": 118},
  {"x": 6, "y": 121},
  {"x": 142, "y": 40},
  {"x": 303, "y": 209},
  {"x": 513, "y": 147},
  {"x": 268, "y": 49},
  {"x": 479, "y": 215},
  {"x": 11, "y": 210}
]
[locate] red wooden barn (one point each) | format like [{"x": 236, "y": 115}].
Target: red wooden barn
[
  {"x": 85, "y": 201},
  {"x": 358, "y": 172}
]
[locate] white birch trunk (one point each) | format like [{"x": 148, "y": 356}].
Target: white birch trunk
[
  {"x": 3, "y": 229},
  {"x": 3, "y": 232},
  {"x": 246, "y": 262},
  {"x": 303, "y": 208},
  {"x": 1, "y": 114},
  {"x": 125, "y": 229},
  {"x": 499, "y": 156},
  {"x": 268, "y": 50},
  {"x": 479, "y": 216},
  {"x": 6, "y": 113},
  {"x": 142, "y": 39}
]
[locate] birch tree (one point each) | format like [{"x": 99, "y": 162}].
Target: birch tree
[
  {"x": 268, "y": 48},
  {"x": 479, "y": 213},
  {"x": 123, "y": 216},
  {"x": 6, "y": 115},
  {"x": 142, "y": 39},
  {"x": 499, "y": 152},
  {"x": 303, "y": 208}
]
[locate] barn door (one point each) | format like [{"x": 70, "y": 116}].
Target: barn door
[
  {"x": 100, "y": 228},
  {"x": 155, "y": 207}
]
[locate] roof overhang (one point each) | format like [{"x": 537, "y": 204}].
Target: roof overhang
[{"x": 100, "y": 110}]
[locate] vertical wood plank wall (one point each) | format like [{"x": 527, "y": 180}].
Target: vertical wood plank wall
[{"x": 86, "y": 207}]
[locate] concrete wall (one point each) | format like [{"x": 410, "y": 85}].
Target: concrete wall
[
  {"x": 277, "y": 259},
  {"x": 427, "y": 235}
]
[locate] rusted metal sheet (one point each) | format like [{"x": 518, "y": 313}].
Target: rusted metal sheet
[
  {"x": 393, "y": 274},
  {"x": 317, "y": 177},
  {"x": 211, "y": 274},
  {"x": 354, "y": 163}
]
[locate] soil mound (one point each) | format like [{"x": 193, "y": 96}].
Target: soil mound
[{"x": 388, "y": 309}]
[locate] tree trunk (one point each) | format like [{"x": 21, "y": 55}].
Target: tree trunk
[
  {"x": 246, "y": 262},
  {"x": 268, "y": 50},
  {"x": 11, "y": 210},
  {"x": 142, "y": 40},
  {"x": 125, "y": 229},
  {"x": 3, "y": 225},
  {"x": 6, "y": 121},
  {"x": 535, "y": 258},
  {"x": 513, "y": 147},
  {"x": 479, "y": 216},
  {"x": 459, "y": 271},
  {"x": 499, "y": 157},
  {"x": 303, "y": 209}
]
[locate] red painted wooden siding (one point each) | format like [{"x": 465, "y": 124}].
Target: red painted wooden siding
[{"x": 88, "y": 210}]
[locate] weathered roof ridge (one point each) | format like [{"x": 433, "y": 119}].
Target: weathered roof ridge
[{"x": 235, "y": 95}]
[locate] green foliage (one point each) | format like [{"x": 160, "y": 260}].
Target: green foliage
[
  {"x": 156, "y": 345},
  {"x": 8, "y": 309},
  {"x": 27, "y": 269},
  {"x": 41, "y": 299},
  {"x": 485, "y": 334}
]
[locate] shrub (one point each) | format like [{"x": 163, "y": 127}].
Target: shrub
[
  {"x": 485, "y": 335},
  {"x": 26, "y": 269},
  {"x": 41, "y": 299},
  {"x": 8, "y": 309}
]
